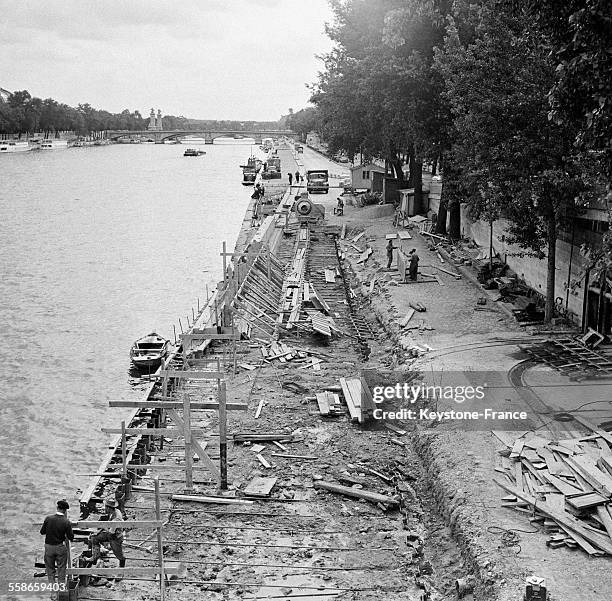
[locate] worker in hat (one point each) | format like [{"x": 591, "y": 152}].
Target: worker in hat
[
  {"x": 113, "y": 536},
  {"x": 57, "y": 529}
]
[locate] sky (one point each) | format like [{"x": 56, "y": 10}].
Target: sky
[{"x": 204, "y": 59}]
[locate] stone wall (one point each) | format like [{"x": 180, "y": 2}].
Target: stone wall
[{"x": 530, "y": 269}]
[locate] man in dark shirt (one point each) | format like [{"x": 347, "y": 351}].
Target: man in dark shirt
[{"x": 57, "y": 529}]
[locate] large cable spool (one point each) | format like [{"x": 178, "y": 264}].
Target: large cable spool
[{"x": 304, "y": 207}]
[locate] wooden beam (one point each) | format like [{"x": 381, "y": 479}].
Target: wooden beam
[
  {"x": 207, "y": 499},
  {"x": 373, "y": 497},
  {"x": 123, "y": 572},
  {"x": 175, "y": 405},
  {"x": 116, "y": 524},
  {"x": 189, "y": 374},
  {"x": 188, "y": 451},
  {"x": 153, "y": 431},
  {"x": 206, "y": 460}
]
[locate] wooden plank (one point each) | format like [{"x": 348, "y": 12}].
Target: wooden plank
[
  {"x": 323, "y": 403},
  {"x": 288, "y": 456},
  {"x": 517, "y": 448},
  {"x": 603, "y": 512},
  {"x": 260, "y": 486},
  {"x": 356, "y": 493},
  {"x": 563, "y": 519},
  {"x": 117, "y": 524},
  {"x": 153, "y": 431},
  {"x": 587, "y": 468},
  {"x": 124, "y": 572},
  {"x": 409, "y": 314},
  {"x": 587, "y": 424},
  {"x": 175, "y": 405},
  {"x": 586, "y": 500},
  {"x": 210, "y": 499},
  {"x": 554, "y": 467},
  {"x": 190, "y": 374},
  {"x": 263, "y": 462},
  {"x": 354, "y": 411},
  {"x": 259, "y": 408},
  {"x": 561, "y": 485}
]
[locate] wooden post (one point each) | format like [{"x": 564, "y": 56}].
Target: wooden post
[
  {"x": 269, "y": 262},
  {"x": 223, "y": 435},
  {"x": 224, "y": 264},
  {"x": 160, "y": 542},
  {"x": 180, "y": 325},
  {"x": 233, "y": 344},
  {"x": 193, "y": 315},
  {"x": 174, "y": 329},
  {"x": 188, "y": 449},
  {"x": 123, "y": 449},
  {"x": 68, "y": 562}
]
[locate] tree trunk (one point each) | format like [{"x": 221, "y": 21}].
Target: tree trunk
[
  {"x": 551, "y": 239},
  {"x": 442, "y": 216},
  {"x": 434, "y": 168},
  {"x": 454, "y": 225},
  {"x": 418, "y": 183},
  {"x": 411, "y": 168},
  {"x": 396, "y": 164}
]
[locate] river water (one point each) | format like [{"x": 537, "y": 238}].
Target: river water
[{"x": 99, "y": 246}]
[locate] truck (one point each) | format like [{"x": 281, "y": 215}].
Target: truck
[{"x": 317, "y": 180}]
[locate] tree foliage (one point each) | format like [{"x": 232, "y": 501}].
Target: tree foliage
[{"x": 512, "y": 99}]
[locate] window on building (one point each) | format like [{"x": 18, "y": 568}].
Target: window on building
[{"x": 365, "y": 175}]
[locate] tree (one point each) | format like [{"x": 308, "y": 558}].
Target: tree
[{"x": 515, "y": 161}]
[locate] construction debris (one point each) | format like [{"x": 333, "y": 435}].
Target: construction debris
[
  {"x": 356, "y": 493},
  {"x": 567, "y": 484}
]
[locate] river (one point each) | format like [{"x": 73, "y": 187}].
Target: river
[{"x": 100, "y": 246}]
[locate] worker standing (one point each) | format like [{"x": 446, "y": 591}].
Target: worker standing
[
  {"x": 114, "y": 535},
  {"x": 57, "y": 530},
  {"x": 390, "y": 249},
  {"x": 290, "y": 178},
  {"x": 413, "y": 268},
  {"x": 297, "y": 177}
]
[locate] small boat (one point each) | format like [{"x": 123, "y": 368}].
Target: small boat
[
  {"x": 54, "y": 144},
  {"x": 193, "y": 152},
  {"x": 14, "y": 146},
  {"x": 148, "y": 351},
  {"x": 249, "y": 171}
]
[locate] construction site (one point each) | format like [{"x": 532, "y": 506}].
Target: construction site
[{"x": 257, "y": 464}]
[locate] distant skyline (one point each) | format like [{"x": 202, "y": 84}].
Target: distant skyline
[{"x": 204, "y": 59}]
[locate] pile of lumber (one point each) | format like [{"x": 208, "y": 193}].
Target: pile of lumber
[
  {"x": 566, "y": 485},
  {"x": 358, "y": 398},
  {"x": 329, "y": 404},
  {"x": 278, "y": 351}
]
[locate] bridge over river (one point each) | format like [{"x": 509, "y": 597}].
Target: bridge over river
[{"x": 209, "y": 135}]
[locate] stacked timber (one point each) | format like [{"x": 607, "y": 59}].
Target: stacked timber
[
  {"x": 358, "y": 398},
  {"x": 565, "y": 484}
]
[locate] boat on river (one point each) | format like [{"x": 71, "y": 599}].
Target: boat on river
[
  {"x": 53, "y": 144},
  {"x": 193, "y": 152},
  {"x": 8, "y": 146},
  {"x": 249, "y": 171},
  {"x": 147, "y": 352}
]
